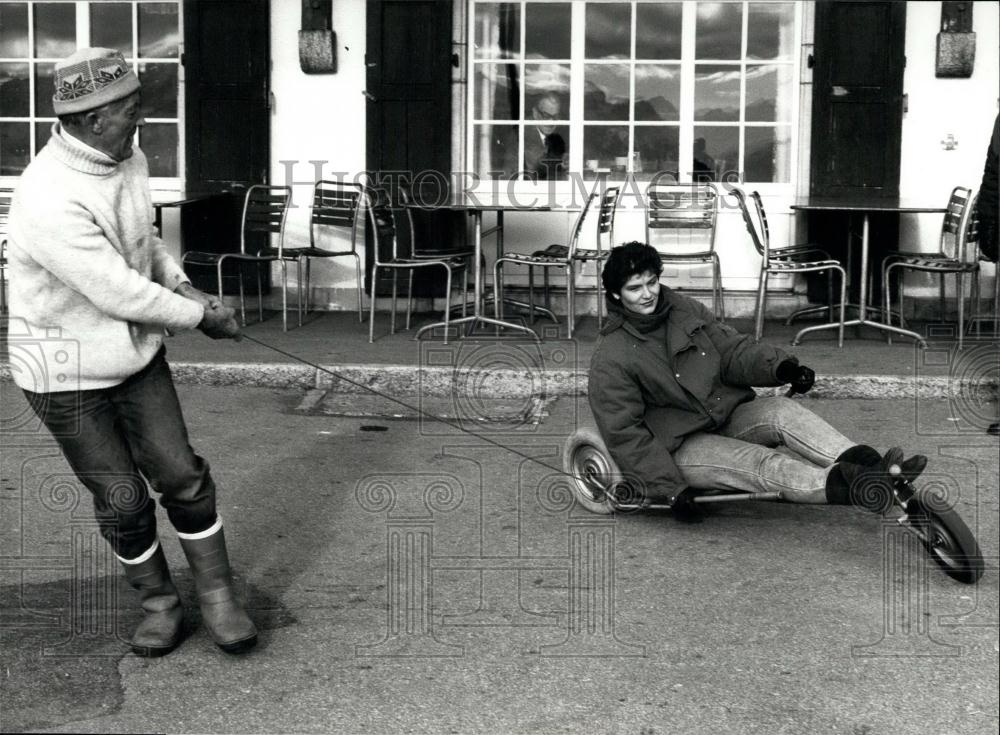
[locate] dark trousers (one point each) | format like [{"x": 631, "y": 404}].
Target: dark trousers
[{"x": 116, "y": 439}]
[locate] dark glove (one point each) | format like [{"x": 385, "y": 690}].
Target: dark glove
[
  {"x": 800, "y": 377},
  {"x": 684, "y": 509}
]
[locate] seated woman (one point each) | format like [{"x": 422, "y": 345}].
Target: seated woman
[{"x": 670, "y": 389}]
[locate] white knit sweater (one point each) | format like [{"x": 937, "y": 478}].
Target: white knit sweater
[{"x": 91, "y": 285}]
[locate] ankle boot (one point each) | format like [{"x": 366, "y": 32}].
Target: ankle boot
[
  {"x": 223, "y": 615},
  {"x": 159, "y": 632},
  {"x": 838, "y": 488},
  {"x": 871, "y": 486},
  {"x": 862, "y": 477},
  {"x": 861, "y": 454}
]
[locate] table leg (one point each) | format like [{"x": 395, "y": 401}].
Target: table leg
[
  {"x": 863, "y": 298},
  {"x": 863, "y": 320},
  {"x": 862, "y": 316},
  {"x": 477, "y": 316}
]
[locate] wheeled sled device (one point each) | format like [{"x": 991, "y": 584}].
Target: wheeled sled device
[{"x": 599, "y": 486}]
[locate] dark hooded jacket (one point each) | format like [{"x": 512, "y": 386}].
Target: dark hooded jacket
[
  {"x": 656, "y": 379},
  {"x": 989, "y": 198}
]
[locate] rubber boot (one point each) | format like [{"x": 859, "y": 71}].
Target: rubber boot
[
  {"x": 159, "y": 632},
  {"x": 224, "y": 617}
]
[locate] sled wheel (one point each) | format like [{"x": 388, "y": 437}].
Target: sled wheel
[
  {"x": 945, "y": 536},
  {"x": 588, "y": 462}
]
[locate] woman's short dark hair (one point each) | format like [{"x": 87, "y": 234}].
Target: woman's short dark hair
[{"x": 626, "y": 261}]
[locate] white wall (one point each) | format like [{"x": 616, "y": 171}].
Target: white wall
[
  {"x": 318, "y": 117},
  {"x": 964, "y": 108}
]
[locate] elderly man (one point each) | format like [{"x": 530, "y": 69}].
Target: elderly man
[
  {"x": 86, "y": 266},
  {"x": 545, "y": 144}
]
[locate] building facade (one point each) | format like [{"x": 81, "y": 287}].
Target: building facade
[{"x": 632, "y": 90}]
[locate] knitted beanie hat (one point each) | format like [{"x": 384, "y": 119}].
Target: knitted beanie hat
[{"x": 90, "y": 78}]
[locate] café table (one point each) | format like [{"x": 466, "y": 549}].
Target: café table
[
  {"x": 865, "y": 206},
  {"x": 475, "y": 204},
  {"x": 158, "y": 208}
]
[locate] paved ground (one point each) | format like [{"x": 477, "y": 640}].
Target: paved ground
[{"x": 381, "y": 567}]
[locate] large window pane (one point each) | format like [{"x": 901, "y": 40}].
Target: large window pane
[
  {"x": 498, "y": 90},
  {"x": 159, "y": 89},
  {"x": 716, "y": 154},
  {"x": 657, "y": 147},
  {"x": 55, "y": 30},
  {"x": 605, "y": 150},
  {"x": 159, "y": 30},
  {"x": 14, "y": 90},
  {"x": 608, "y": 31},
  {"x": 14, "y": 30},
  {"x": 762, "y": 93},
  {"x": 547, "y": 30},
  {"x": 14, "y": 142},
  {"x": 657, "y": 92},
  {"x": 767, "y": 154},
  {"x": 658, "y": 30},
  {"x": 45, "y": 87},
  {"x": 719, "y": 30},
  {"x": 546, "y": 151},
  {"x": 111, "y": 26},
  {"x": 717, "y": 93},
  {"x": 495, "y": 150},
  {"x": 159, "y": 143},
  {"x": 770, "y": 31},
  {"x": 550, "y": 81},
  {"x": 498, "y": 31},
  {"x": 606, "y": 92},
  {"x": 546, "y": 142}
]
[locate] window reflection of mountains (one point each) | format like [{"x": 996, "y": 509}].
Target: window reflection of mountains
[
  {"x": 597, "y": 106},
  {"x": 159, "y": 93},
  {"x": 759, "y": 111}
]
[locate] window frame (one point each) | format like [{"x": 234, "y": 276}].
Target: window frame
[
  {"x": 686, "y": 123},
  {"x": 161, "y": 186}
]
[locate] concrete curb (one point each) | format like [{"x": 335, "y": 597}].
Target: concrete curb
[{"x": 472, "y": 384}]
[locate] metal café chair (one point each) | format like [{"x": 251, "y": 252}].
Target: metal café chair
[
  {"x": 264, "y": 211},
  {"x": 382, "y": 221},
  {"x": 556, "y": 256},
  {"x": 420, "y": 250},
  {"x": 957, "y": 253},
  {"x": 791, "y": 259},
  {"x": 335, "y": 209},
  {"x": 605, "y": 228},
  {"x": 692, "y": 207}
]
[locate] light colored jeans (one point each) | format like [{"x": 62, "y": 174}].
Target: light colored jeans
[{"x": 742, "y": 454}]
